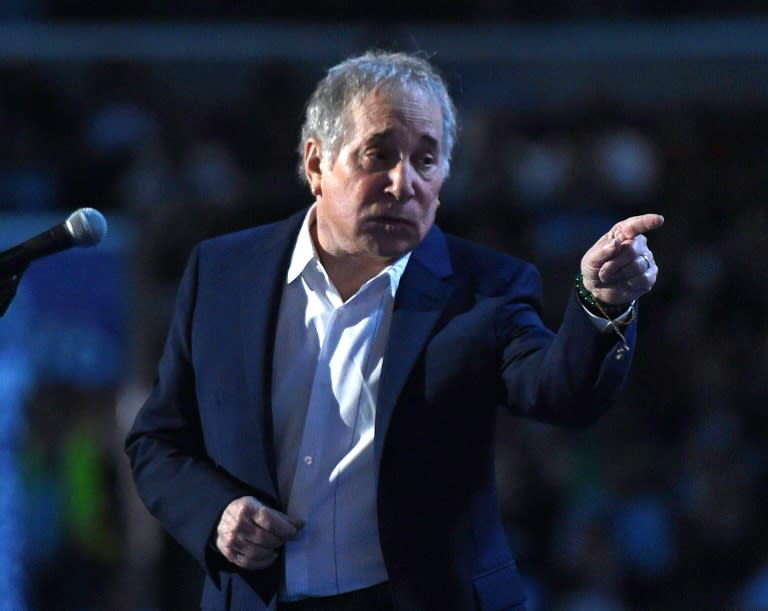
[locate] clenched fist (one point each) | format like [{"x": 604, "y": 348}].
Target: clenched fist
[{"x": 250, "y": 534}]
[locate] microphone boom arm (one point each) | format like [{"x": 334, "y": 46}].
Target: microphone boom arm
[{"x": 8, "y": 286}]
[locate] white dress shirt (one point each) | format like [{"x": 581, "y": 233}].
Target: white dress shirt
[{"x": 327, "y": 363}]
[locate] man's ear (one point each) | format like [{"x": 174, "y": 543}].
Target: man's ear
[{"x": 313, "y": 162}]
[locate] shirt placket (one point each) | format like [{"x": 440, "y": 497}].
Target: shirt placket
[{"x": 325, "y": 436}]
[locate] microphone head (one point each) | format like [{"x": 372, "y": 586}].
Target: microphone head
[{"x": 87, "y": 226}]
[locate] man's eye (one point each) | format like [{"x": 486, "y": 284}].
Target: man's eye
[
  {"x": 427, "y": 161},
  {"x": 377, "y": 154}
]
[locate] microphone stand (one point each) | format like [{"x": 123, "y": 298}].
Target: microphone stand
[{"x": 8, "y": 286}]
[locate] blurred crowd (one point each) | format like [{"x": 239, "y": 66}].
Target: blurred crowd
[{"x": 658, "y": 506}]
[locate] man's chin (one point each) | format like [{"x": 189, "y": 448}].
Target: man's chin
[{"x": 394, "y": 248}]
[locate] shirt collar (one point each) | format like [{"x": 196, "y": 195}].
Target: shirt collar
[
  {"x": 304, "y": 253},
  {"x": 304, "y": 250}
]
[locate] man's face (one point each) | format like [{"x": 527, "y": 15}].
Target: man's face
[{"x": 379, "y": 196}]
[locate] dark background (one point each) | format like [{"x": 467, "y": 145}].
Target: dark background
[{"x": 179, "y": 121}]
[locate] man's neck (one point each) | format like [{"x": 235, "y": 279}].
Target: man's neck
[{"x": 348, "y": 273}]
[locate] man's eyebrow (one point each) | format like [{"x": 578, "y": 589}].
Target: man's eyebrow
[
  {"x": 431, "y": 140},
  {"x": 379, "y": 136}
]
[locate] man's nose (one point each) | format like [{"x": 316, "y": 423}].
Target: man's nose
[{"x": 401, "y": 181}]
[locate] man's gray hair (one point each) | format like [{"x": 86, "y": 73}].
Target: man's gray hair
[{"x": 353, "y": 80}]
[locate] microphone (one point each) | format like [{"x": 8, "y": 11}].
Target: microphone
[{"x": 84, "y": 227}]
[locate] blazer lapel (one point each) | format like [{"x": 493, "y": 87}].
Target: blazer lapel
[
  {"x": 261, "y": 283},
  {"x": 422, "y": 296}
]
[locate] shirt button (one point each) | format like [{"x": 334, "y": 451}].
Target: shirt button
[{"x": 308, "y": 460}]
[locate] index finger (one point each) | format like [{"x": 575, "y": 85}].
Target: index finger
[{"x": 633, "y": 226}]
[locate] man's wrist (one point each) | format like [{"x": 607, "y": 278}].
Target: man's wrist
[{"x": 595, "y": 306}]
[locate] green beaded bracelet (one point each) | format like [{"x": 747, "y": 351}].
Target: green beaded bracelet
[{"x": 594, "y": 305}]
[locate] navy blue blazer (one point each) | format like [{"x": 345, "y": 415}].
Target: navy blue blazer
[{"x": 466, "y": 337}]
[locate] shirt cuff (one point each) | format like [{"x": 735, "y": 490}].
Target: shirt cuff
[{"x": 604, "y": 325}]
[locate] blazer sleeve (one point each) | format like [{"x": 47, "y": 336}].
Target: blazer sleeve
[
  {"x": 174, "y": 476},
  {"x": 567, "y": 378}
]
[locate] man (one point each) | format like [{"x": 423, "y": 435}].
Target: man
[{"x": 320, "y": 432}]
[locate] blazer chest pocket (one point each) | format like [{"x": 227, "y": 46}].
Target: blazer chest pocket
[{"x": 500, "y": 589}]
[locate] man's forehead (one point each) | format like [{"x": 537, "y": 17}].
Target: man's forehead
[{"x": 382, "y": 110}]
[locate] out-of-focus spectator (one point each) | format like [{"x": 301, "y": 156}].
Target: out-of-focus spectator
[
  {"x": 71, "y": 516},
  {"x": 35, "y": 121},
  {"x": 117, "y": 119}
]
